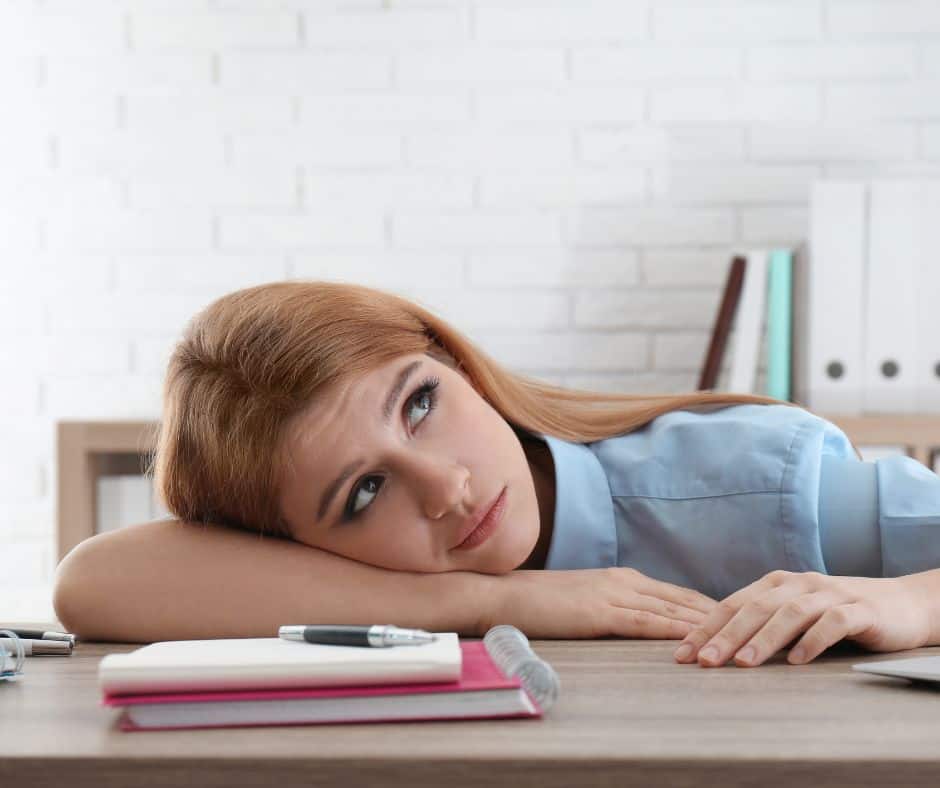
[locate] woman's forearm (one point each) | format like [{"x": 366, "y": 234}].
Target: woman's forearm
[{"x": 169, "y": 580}]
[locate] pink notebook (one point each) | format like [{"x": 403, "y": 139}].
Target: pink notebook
[{"x": 483, "y": 690}]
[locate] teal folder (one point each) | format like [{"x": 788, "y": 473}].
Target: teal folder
[{"x": 780, "y": 284}]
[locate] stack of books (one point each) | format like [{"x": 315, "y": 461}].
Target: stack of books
[
  {"x": 848, "y": 321},
  {"x": 272, "y": 681},
  {"x": 756, "y": 302}
]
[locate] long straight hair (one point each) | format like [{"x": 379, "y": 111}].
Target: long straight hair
[{"x": 255, "y": 358}]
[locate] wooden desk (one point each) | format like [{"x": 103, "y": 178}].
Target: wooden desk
[{"x": 628, "y": 716}]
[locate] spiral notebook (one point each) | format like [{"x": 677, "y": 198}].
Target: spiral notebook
[{"x": 499, "y": 676}]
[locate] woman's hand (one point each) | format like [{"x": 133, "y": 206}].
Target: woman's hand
[
  {"x": 881, "y": 614},
  {"x": 594, "y": 603}
]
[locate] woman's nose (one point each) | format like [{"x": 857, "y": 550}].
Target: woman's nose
[{"x": 443, "y": 487}]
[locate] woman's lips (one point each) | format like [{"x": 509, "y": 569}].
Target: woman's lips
[{"x": 487, "y": 525}]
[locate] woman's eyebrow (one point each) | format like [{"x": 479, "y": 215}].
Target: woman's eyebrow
[{"x": 388, "y": 407}]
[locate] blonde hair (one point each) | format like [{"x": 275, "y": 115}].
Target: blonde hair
[{"x": 255, "y": 358}]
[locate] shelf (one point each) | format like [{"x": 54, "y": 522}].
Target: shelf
[
  {"x": 86, "y": 450},
  {"x": 919, "y": 433}
]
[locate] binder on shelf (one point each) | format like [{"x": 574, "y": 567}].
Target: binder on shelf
[
  {"x": 749, "y": 325},
  {"x": 894, "y": 250},
  {"x": 779, "y": 317},
  {"x": 927, "y": 375},
  {"x": 829, "y": 301},
  {"x": 799, "y": 327},
  {"x": 122, "y": 500},
  {"x": 722, "y": 325}
]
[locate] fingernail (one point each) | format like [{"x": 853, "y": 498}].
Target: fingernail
[
  {"x": 747, "y": 654},
  {"x": 709, "y": 652},
  {"x": 683, "y": 651},
  {"x": 797, "y": 654}
]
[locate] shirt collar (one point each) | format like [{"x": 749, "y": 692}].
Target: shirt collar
[{"x": 584, "y": 535}]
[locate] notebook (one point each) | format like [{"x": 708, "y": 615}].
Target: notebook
[
  {"x": 914, "y": 668},
  {"x": 274, "y": 663},
  {"x": 485, "y": 688}
]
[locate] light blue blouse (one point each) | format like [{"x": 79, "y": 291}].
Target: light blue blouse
[{"x": 715, "y": 497}]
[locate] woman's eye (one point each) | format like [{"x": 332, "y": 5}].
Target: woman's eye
[
  {"x": 425, "y": 399},
  {"x": 421, "y": 397},
  {"x": 365, "y": 486}
]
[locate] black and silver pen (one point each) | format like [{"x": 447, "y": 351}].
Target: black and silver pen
[
  {"x": 377, "y": 636},
  {"x": 39, "y": 634}
]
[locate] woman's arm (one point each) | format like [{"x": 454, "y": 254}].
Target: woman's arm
[{"x": 170, "y": 580}]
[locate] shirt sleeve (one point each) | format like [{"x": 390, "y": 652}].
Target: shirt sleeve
[
  {"x": 715, "y": 500},
  {"x": 908, "y": 516}
]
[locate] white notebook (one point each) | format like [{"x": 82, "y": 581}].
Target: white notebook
[{"x": 270, "y": 663}]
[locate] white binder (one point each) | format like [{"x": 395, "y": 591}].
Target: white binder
[
  {"x": 122, "y": 500},
  {"x": 927, "y": 375},
  {"x": 829, "y": 377},
  {"x": 894, "y": 250},
  {"x": 749, "y": 321}
]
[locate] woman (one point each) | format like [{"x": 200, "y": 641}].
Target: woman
[{"x": 436, "y": 488}]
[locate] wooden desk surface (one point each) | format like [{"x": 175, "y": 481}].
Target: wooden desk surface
[{"x": 628, "y": 715}]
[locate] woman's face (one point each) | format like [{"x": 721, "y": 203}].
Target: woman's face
[{"x": 407, "y": 490}]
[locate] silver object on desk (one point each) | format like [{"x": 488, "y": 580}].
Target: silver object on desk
[
  {"x": 11, "y": 669},
  {"x": 377, "y": 636},
  {"x": 36, "y": 648}
]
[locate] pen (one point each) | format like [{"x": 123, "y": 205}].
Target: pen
[
  {"x": 36, "y": 648},
  {"x": 376, "y": 636},
  {"x": 38, "y": 634}
]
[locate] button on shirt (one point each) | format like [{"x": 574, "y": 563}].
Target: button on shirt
[{"x": 715, "y": 497}]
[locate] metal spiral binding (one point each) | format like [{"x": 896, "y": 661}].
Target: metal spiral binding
[
  {"x": 510, "y": 650},
  {"x": 15, "y": 668}
]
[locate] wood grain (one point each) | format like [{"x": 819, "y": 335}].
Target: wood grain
[{"x": 628, "y": 716}]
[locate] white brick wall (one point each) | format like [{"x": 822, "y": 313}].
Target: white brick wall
[{"x": 587, "y": 168}]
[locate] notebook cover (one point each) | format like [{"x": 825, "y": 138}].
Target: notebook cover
[
  {"x": 479, "y": 672},
  {"x": 273, "y": 663}
]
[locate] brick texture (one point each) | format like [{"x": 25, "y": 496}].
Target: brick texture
[{"x": 563, "y": 181}]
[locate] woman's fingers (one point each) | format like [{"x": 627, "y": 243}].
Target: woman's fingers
[
  {"x": 834, "y": 625},
  {"x": 639, "y": 623},
  {"x": 753, "y": 628},
  {"x": 665, "y": 608},
  {"x": 733, "y": 622},
  {"x": 686, "y": 597}
]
